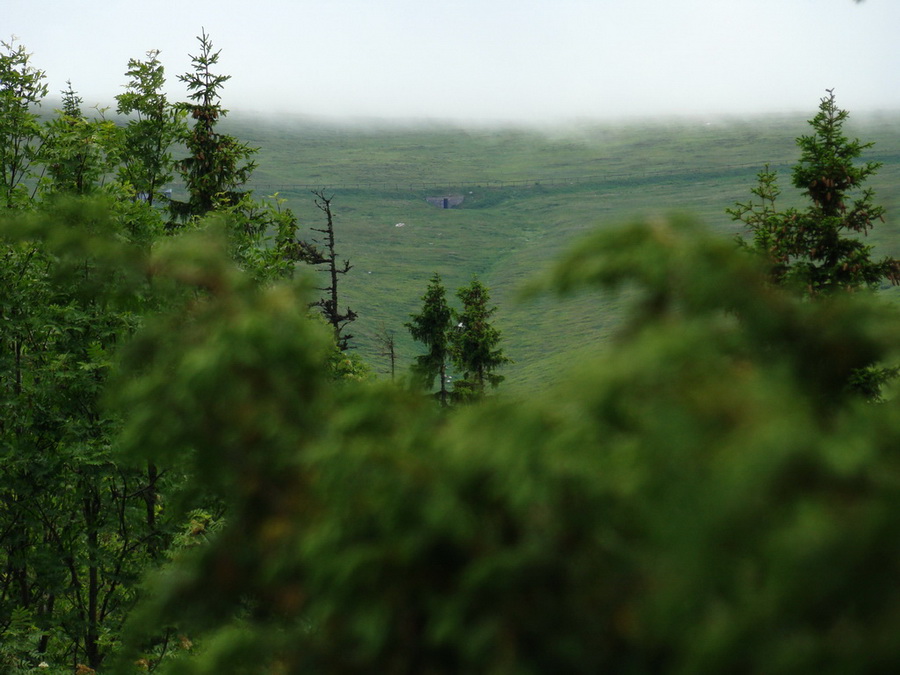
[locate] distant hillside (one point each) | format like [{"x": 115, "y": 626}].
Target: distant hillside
[{"x": 528, "y": 195}]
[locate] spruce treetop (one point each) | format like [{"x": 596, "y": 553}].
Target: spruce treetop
[{"x": 818, "y": 250}]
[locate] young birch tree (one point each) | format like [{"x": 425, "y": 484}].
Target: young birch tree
[
  {"x": 155, "y": 125},
  {"x": 22, "y": 87}
]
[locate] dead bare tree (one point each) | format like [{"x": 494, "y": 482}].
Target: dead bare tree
[
  {"x": 329, "y": 303},
  {"x": 385, "y": 339}
]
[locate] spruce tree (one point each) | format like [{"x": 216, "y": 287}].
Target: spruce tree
[
  {"x": 218, "y": 164},
  {"x": 818, "y": 250},
  {"x": 475, "y": 343},
  {"x": 431, "y": 327}
]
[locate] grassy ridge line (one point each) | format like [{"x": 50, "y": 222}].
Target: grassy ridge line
[
  {"x": 296, "y": 153},
  {"x": 598, "y": 180},
  {"x": 606, "y": 179},
  {"x": 506, "y": 235}
]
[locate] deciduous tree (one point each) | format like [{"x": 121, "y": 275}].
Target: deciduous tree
[
  {"x": 22, "y": 86},
  {"x": 79, "y": 529},
  {"x": 78, "y": 153},
  {"x": 147, "y": 162}
]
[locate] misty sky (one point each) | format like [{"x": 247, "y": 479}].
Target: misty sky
[{"x": 484, "y": 60}]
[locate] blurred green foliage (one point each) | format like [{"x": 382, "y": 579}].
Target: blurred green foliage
[{"x": 707, "y": 497}]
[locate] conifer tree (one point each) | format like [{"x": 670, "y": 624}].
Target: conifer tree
[
  {"x": 218, "y": 164},
  {"x": 818, "y": 250},
  {"x": 474, "y": 343},
  {"x": 431, "y": 327}
]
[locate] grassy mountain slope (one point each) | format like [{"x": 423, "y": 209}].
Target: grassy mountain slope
[{"x": 527, "y": 195}]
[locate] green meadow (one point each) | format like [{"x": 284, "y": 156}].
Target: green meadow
[{"x": 527, "y": 194}]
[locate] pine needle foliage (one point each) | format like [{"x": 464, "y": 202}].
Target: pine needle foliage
[
  {"x": 431, "y": 326},
  {"x": 818, "y": 250},
  {"x": 475, "y": 343},
  {"x": 218, "y": 165}
]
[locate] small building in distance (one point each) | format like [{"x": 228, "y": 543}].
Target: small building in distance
[{"x": 445, "y": 201}]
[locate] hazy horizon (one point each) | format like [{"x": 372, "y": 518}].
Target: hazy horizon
[{"x": 489, "y": 62}]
